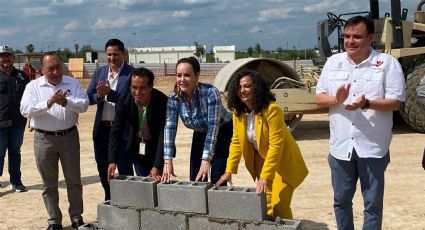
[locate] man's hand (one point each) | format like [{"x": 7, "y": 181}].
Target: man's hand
[
  {"x": 226, "y": 177},
  {"x": 59, "y": 97},
  {"x": 155, "y": 174},
  {"x": 357, "y": 104},
  {"x": 342, "y": 93},
  {"x": 103, "y": 90},
  {"x": 204, "y": 171},
  {"x": 111, "y": 171}
]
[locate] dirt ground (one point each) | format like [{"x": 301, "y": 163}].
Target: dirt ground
[{"x": 404, "y": 204}]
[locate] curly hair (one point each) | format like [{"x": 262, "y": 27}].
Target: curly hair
[{"x": 262, "y": 94}]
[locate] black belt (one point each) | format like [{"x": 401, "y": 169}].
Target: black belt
[
  {"x": 57, "y": 133},
  {"x": 108, "y": 123}
]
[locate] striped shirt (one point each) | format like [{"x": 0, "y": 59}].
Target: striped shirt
[{"x": 206, "y": 114}]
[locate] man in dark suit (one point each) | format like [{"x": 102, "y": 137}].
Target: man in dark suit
[
  {"x": 142, "y": 111},
  {"x": 107, "y": 84}
]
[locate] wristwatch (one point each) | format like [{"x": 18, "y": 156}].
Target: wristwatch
[{"x": 366, "y": 104}]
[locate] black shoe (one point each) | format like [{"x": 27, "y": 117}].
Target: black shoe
[
  {"x": 77, "y": 223},
  {"x": 54, "y": 227},
  {"x": 19, "y": 187}
]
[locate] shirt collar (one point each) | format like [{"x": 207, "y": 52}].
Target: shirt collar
[
  {"x": 118, "y": 72},
  {"x": 43, "y": 81},
  {"x": 372, "y": 53}
]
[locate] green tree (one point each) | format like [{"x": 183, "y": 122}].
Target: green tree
[
  {"x": 258, "y": 48},
  {"x": 250, "y": 51},
  {"x": 199, "y": 51},
  {"x": 30, "y": 48}
]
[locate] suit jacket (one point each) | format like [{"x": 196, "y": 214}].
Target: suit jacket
[
  {"x": 101, "y": 74},
  {"x": 276, "y": 146},
  {"x": 127, "y": 118}
]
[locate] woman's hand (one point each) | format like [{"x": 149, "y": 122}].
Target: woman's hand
[
  {"x": 226, "y": 177},
  {"x": 168, "y": 171},
  {"x": 261, "y": 186},
  {"x": 111, "y": 171},
  {"x": 204, "y": 171}
]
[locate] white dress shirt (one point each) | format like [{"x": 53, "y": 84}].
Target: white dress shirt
[
  {"x": 108, "y": 112},
  {"x": 39, "y": 91},
  {"x": 250, "y": 129},
  {"x": 367, "y": 130}
]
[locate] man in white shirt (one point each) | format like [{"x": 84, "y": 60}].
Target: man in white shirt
[
  {"x": 53, "y": 102},
  {"x": 362, "y": 88}
]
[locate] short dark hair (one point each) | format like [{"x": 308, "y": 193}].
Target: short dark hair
[
  {"x": 143, "y": 72},
  {"x": 49, "y": 53},
  {"x": 370, "y": 27},
  {"x": 262, "y": 94},
  {"x": 115, "y": 42},
  {"x": 192, "y": 61}
]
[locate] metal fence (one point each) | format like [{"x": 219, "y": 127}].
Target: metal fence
[{"x": 160, "y": 70}]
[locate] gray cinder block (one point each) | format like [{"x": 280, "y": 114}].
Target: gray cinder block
[
  {"x": 183, "y": 196},
  {"x": 114, "y": 218},
  {"x": 205, "y": 223},
  {"x": 236, "y": 203},
  {"x": 279, "y": 224},
  {"x": 138, "y": 192},
  {"x": 156, "y": 219}
]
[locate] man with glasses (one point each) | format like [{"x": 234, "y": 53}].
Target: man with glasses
[
  {"x": 108, "y": 83},
  {"x": 142, "y": 111},
  {"x": 12, "y": 123}
]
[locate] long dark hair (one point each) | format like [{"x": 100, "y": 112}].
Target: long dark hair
[{"x": 262, "y": 94}]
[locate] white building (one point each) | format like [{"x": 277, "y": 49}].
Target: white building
[
  {"x": 167, "y": 54},
  {"x": 224, "y": 53}
]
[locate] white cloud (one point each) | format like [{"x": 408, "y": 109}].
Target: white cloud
[
  {"x": 9, "y": 31},
  {"x": 181, "y": 14},
  {"x": 66, "y": 2},
  {"x": 130, "y": 21},
  {"x": 323, "y": 6},
  {"x": 37, "y": 11},
  {"x": 278, "y": 13},
  {"x": 72, "y": 25},
  {"x": 195, "y": 1},
  {"x": 255, "y": 30}
]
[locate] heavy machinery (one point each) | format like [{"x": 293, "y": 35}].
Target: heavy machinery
[{"x": 394, "y": 35}]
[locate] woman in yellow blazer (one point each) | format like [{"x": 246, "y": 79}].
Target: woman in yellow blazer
[{"x": 271, "y": 154}]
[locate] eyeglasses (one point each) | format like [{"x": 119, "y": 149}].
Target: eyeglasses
[{"x": 140, "y": 89}]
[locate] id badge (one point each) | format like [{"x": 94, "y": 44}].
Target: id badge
[{"x": 142, "y": 148}]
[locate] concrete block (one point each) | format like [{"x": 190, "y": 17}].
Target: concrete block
[
  {"x": 183, "y": 196},
  {"x": 89, "y": 226},
  {"x": 137, "y": 192},
  {"x": 236, "y": 203},
  {"x": 114, "y": 218},
  {"x": 205, "y": 223},
  {"x": 279, "y": 224},
  {"x": 157, "y": 219}
]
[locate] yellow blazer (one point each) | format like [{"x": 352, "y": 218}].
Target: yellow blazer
[{"x": 276, "y": 146}]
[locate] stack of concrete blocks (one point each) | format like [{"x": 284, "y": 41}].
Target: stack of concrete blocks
[{"x": 140, "y": 203}]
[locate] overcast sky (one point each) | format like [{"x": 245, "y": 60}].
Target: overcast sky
[{"x": 58, "y": 24}]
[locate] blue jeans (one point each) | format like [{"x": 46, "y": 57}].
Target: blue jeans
[
  {"x": 344, "y": 181},
  {"x": 11, "y": 140}
]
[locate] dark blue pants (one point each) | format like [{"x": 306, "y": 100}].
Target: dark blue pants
[
  {"x": 218, "y": 162},
  {"x": 344, "y": 180},
  {"x": 11, "y": 140},
  {"x": 124, "y": 164}
]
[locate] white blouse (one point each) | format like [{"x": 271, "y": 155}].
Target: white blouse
[{"x": 250, "y": 129}]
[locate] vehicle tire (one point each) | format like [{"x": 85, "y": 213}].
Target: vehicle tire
[{"x": 411, "y": 111}]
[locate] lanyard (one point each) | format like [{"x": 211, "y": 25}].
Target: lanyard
[{"x": 142, "y": 118}]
